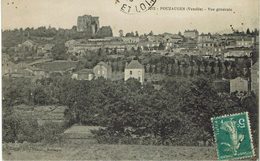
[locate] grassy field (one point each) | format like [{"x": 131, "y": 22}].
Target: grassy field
[{"x": 109, "y": 152}]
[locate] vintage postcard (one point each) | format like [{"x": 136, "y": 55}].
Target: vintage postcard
[{"x": 130, "y": 79}]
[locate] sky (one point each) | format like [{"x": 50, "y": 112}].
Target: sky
[{"x": 64, "y": 13}]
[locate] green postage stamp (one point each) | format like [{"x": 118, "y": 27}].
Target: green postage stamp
[{"x": 233, "y": 136}]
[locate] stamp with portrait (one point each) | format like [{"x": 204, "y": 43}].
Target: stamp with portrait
[{"x": 233, "y": 136}]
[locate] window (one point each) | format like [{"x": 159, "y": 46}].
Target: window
[
  {"x": 131, "y": 72},
  {"x": 98, "y": 72}
]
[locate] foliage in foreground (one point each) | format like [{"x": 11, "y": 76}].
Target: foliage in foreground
[
  {"x": 15, "y": 129},
  {"x": 178, "y": 113}
]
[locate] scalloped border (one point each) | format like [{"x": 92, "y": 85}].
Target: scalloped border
[{"x": 249, "y": 130}]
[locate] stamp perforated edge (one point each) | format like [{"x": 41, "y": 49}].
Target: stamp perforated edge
[{"x": 249, "y": 128}]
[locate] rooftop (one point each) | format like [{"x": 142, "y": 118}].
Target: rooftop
[
  {"x": 60, "y": 65},
  {"x": 134, "y": 64},
  {"x": 103, "y": 64},
  {"x": 85, "y": 71}
]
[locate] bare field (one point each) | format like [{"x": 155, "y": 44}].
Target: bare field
[{"x": 110, "y": 152}]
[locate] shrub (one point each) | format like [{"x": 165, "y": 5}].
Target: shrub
[
  {"x": 15, "y": 129},
  {"x": 11, "y": 124},
  {"x": 50, "y": 132},
  {"x": 28, "y": 131}
]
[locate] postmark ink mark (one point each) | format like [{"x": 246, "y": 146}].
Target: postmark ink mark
[
  {"x": 233, "y": 136},
  {"x": 134, "y": 6}
]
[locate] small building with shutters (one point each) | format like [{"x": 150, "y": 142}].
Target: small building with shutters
[
  {"x": 238, "y": 84},
  {"x": 84, "y": 74},
  {"x": 135, "y": 70},
  {"x": 103, "y": 69}
]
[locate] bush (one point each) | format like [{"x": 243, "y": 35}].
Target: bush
[
  {"x": 177, "y": 114},
  {"x": 28, "y": 131},
  {"x": 17, "y": 130},
  {"x": 11, "y": 124},
  {"x": 50, "y": 132}
]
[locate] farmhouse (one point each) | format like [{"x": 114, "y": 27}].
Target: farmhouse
[
  {"x": 134, "y": 70},
  {"x": 84, "y": 74},
  {"x": 59, "y": 66},
  {"x": 103, "y": 69},
  {"x": 27, "y": 46},
  {"x": 238, "y": 85}
]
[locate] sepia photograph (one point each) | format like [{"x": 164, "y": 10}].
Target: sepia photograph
[{"x": 130, "y": 80}]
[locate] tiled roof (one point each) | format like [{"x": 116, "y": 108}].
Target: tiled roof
[
  {"x": 134, "y": 64},
  {"x": 61, "y": 65},
  {"x": 85, "y": 71},
  {"x": 103, "y": 64},
  {"x": 29, "y": 41}
]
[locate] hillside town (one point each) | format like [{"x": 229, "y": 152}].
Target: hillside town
[
  {"x": 71, "y": 88},
  {"x": 40, "y": 56}
]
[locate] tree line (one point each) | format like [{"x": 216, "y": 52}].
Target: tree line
[{"x": 178, "y": 113}]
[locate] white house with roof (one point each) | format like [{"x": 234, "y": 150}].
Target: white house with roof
[
  {"x": 135, "y": 70},
  {"x": 238, "y": 84},
  {"x": 27, "y": 45},
  {"x": 245, "y": 42},
  {"x": 84, "y": 74},
  {"x": 103, "y": 69},
  {"x": 191, "y": 34}
]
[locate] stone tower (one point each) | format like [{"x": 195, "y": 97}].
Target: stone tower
[{"x": 87, "y": 23}]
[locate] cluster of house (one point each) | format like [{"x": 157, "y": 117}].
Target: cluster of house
[
  {"x": 132, "y": 70},
  {"x": 240, "y": 85},
  {"x": 224, "y": 47},
  {"x": 190, "y": 43},
  {"x": 47, "y": 67},
  {"x": 31, "y": 49}
]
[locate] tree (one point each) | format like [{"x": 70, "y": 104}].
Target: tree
[
  {"x": 233, "y": 70},
  {"x": 139, "y": 50},
  {"x": 192, "y": 68},
  {"x": 185, "y": 66},
  {"x": 59, "y": 51},
  {"x": 161, "y": 46},
  {"x": 173, "y": 72},
  {"x": 40, "y": 96},
  {"x": 121, "y": 33},
  {"x": 254, "y": 56},
  {"x": 205, "y": 63},
  {"x": 131, "y": 34},
  {"x": 74, "y": 28},
  {"x": 11, "y": 124},
  {"x": 179, "y": 68},
  {"x": 226, "y": 64},
  {"x": 198, "y": 62},
  {"x": 212, "y": 67},
  {"x": 136, "y": 34},
  {"x": 219, "y": 67},
  {"x": 248, "y": 31},
  {"x": 151, "y": 33},
  {"x": 202, "y": 103}
]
